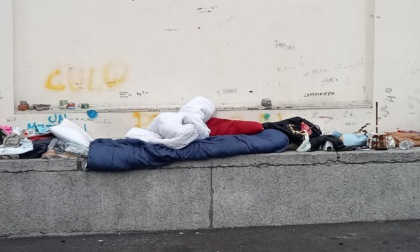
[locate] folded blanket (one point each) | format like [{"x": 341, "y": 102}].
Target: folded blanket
[{"x": 129, "y": 154}]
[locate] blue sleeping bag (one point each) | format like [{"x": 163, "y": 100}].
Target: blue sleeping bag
[{"x": 129, "y": 154}]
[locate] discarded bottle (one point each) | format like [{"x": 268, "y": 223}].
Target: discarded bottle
[{"x": 406, "y": 144}]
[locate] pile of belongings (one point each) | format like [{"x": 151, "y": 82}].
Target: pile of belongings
[
  {"x": 12, "y": 144},
  {"x": 191, "y": 133},
  {"x": 66, "y": 140}
]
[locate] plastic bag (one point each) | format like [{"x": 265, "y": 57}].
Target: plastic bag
[
  {"x": 406, "y": 144},
  {"x": 305, "y": 145}
]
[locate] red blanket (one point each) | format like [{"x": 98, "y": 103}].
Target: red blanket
[{"x": 219, "y": 126}]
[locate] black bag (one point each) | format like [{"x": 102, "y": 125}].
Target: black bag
[
  {"x": 294, "y": 128},
  {"x": 3, "y": 135}
]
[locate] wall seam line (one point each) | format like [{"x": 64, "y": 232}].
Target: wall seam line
[{"x": 211, "y": 199}]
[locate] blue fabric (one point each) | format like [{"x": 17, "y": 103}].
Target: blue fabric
[{"x": 129, "y": 154}]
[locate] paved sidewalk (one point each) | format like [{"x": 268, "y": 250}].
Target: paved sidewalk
[{"x": 379, "y": 236}]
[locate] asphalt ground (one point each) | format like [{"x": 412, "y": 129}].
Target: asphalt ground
[{"x": 376, "y": 236}]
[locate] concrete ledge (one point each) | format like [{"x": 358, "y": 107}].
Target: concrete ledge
[
  {"x": 41, "y": 197},
  {"x": 41, "y": 165}
]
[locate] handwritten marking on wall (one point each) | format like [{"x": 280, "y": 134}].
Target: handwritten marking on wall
[
  {"x": 285, "y": 68},
  {"x": 11, "y": 119},
  {"x": 329, "y": 81},
  {"x": 350, "y": 123},
  {"x": 414, "y": 99},
  {"x": 143, "y": 119},
  {"x": 348, "y": 114},
  {"x": 142, "y": 93},
  {"x": 412, "y": 108},
  {"x": 325, "y": 117},
  {"x": 314, "y": 114},
  {"x": 390, "y": 98},
  {"x": 1, "y": 97},
  {"x": 230, "y": 91},
  {"x": 414, "y": 72},
  {"x": 124, "y": 94},
  {"x": 349, "y": 65},
  {"x": 84, "y": 119},
  {"x": 76, "y": 78},
  {"x": 315, "y": 71},
  {"x": 385, "y": 111},
  {"x": 413, "y": 104},
  {"x": 227, "y": 91},
  {"x": 388, "y": 90},
  {"x": 206, "y": 9},
  {"x": 281, "y": 45},
  {"x": 319, "y": 94}
]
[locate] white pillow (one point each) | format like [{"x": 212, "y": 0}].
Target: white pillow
[
  {"x": 68, "y": 123},
  {"x": 71, "y": 132}
]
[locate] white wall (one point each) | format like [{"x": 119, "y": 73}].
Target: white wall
[{"x": 396, "y": 88}]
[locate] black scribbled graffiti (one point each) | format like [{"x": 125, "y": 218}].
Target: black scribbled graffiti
[
  {"x": 230, "y": 91},
  {"x": 315, "y": 71},
  {"x": 348, "y": 114},
  {"x": 385, "y": 111},
  {"x": 388, "y": 90},
  {"x": 285, "y": 68},
  {"x": 206, "y": 9},
  {"x": 390, "y": 98},
  {"x": 142, "y": 93},
  {"x": 328, "y": 81},
  {"x": 415, "y": 72},
  {"x": 415, "y": 99},
  {"x": 11, "y": 119},
  {"x": 282, "y": 45},
  {"x": 319, "y": 94},
  {"x": 124, "y": 94}
]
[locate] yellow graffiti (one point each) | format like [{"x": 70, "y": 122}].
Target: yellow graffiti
[
  {"x": 140, "y": 119},
  {"x": 49, "y": 83},
  {"x": 76, "y": 78},
  {"x": 114, "y": 74},
  {"x": 90, "y": 80}
]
